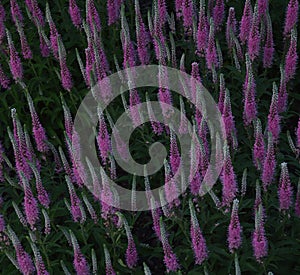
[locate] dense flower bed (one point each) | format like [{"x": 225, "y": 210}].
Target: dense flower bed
[{"x": 243, "y": 52}]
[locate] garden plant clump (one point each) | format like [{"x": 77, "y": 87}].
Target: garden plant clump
[{"x": 62, "y": 211}]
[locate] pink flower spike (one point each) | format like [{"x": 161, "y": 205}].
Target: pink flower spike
[
  {"x": 285, "y": 191},
  {"x": 291, "y": 16},
  {"x": 234, "y": 230}
]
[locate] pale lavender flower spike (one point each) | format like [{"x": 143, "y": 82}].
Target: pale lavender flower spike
[
  {"x": 285, "y": 191},
  {"x": 269, "y": 163},
  {"x": 259, "y": 240},
  {"x": 273, "y": 117},
  {"x": 291, "y": 57},
  {"x": 198, "y": 241}
]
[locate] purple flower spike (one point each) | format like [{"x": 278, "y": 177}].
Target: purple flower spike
[
  {"x": 198, "y": 241},
  {"x": 4, "y": 80},
  {"x": 228, "y": 179},
  {"x": 234, "y": 230},
  {"x": 30, "y": 204},
  {"x": 246, "y": 22},
  {"x": 103, "y": 139},
  {"x": 218, "y": 14},
  {"x": 44, "y": 47},
  {"x": 291, "y": 16},
  {"x": 269, "y": 164},
  {"x": 174, "y": 153},
  {"x": 16, "y": 12},
  {"x": 53, "y": 33},
  {"x": 75, "y": 15},
  {"x": 259, "y": 240},
  {"x": 211, "y": 51},
  {"x": 79, "y": 262},
  {"x": 291, "y": 57},
  {"x": 38, "y": 130},
  {"x": 262, "y": 7},
  {"x": 297, "y": 203},
  {"x": 285, "y": 191},
  {"x": 170, "y": 258},
  {"x": 202, "y": 32},
  {"x": 14, "y": 60},
  {"x": 254, "y": 36},
  {"x": 75, "y": 202},
  {"x": 131, "y": 253},
  {"x": 134, "y": 99},
  {"x": 269, "y": 45},
  {"x": 162, "y": 11},
  {"x": 93, "y": 18},
  {"x": 229, "y": 121},
  {"x": 1, "y": 162},
  {"x": 142, "y": 36},
  {"x": 187, "y": 11},
  {"x": 113, "y": 9},
  {"x": 108, "y": 266},
  {"x": 273, "y": 117},
  {"x": 2, "y": 224}
]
